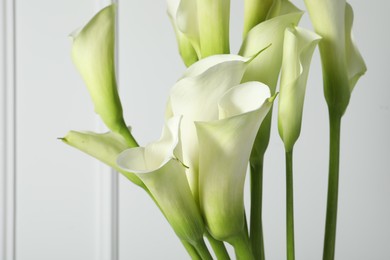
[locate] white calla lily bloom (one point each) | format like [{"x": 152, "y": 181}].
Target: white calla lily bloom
[
  {"x": 164, "y": 175},
  {"x": 225, "y": 145},
  {"x": 342, "y": 63},
  {"x": 93, "y": 53},
  {"x": 196, "y": 97}
]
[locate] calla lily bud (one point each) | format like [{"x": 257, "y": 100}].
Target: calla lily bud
[
  {"x": 214, "y": 19},
  {"x": 255, "y": 12},
  {"x": 266, "y": 67},
  {"x": 104, "y": 147},
  {"x": 342, "y": 63},
  {"x": 93, "y": 55},
  {"x": 186, "y": 50},
  {"x": 196, "y": 96},
  {"x": 299, "y": 45},
  {"x": 225, "y": 145},
  {"x": 204, "y": 24},
  {"x": 164, "y": 175}
]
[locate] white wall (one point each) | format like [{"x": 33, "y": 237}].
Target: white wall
[{"x": 66, "y": 201}]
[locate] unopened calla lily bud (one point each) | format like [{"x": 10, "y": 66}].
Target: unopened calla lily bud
[
  {"x": 214, "y": 17},
  {"x": 265, "y": 68},
  {"x": 342, "y": 63},
  {"x": 255, "y": 12},
  {"x": 204, "y": 24},
  {"x": 93, "y": 54},
  {"x": 186, "y": 49},
  {"x": 299, "y": 45},
  {"x": 160, "y": 169},
  {"x": 225, "y": 145}
]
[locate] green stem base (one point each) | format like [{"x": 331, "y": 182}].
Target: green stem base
[{"x": 333, "y": 187}]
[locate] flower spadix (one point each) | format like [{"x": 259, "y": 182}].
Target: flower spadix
[
  {"x": 163, "y": 174},
  {"x": 342, "y": 64},
  {"x": 299, "y": 45},
  {"x": 225, "y": 145},
  {"x": 202, "y": 23},
  {"x": 196, "y": 96},
  {"x": 93, "y": 55},
  {"x": 105, "y": 147}
]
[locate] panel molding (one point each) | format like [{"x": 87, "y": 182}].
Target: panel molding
[
  {"x": 107, "y": 247},
  {"x": 7, "y": 132}
]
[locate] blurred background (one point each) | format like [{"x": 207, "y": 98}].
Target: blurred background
[{"x": 68, "y": 206}]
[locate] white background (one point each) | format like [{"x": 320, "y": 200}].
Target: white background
[{"x": 59, "y": 191}]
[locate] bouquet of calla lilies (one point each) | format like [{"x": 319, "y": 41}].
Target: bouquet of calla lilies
[{"x": 218, "y": 115}]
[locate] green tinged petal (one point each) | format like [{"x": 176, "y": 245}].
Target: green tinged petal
[
  {"x": 93, "y": 55},
  {"x": 224, "y": 148},
  {"x": 104, "y": 147},
  {"x": 214, "y": 17},
  {"x": 299, "y": 45},
  {"x": 186, "y": 50},
  {"x": 164, "y": 176},
  {"x": 342, "y": 63},
  {"x": 265, "y": 68},
  {"x": 355, "y": 62}
]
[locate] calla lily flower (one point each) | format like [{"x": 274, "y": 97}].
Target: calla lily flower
[
  {"x": 196, "y": 96},
  {"x": 204, "y": 24},
  {"x": 186, "y": 49},
  {"x": 266, "y": 67},
  {"x": 299, "y": 45},
  {"x": 104, "y": 147},
  {"x": 342, "y": 63},
  {"x": 225, "y": 145},
  {"x": 164, "y": 175},
  {"x": 93, "y": 55}
]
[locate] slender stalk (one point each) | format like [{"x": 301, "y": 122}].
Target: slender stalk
[
  {"x": 290, "y": 206},
  {"x": 242, "y": 246},
  {"x": 333, "y": 186},
  {"x": 203, "y": 251},
  {"x": 218, "y": 247},
  {"x": 191, "y": 250},
  {"x": 256, "y": 225}
]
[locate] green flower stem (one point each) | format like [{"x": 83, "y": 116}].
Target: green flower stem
[
  {"x": 256, "y": 225},
  {"x": 203, "y": 251},
  {"x": 242, "y": 247},
  {"x": 290, "y": 206},
  {"x": 191, "y": 250},
  {"x": 333, "y": 186},
  {"x": 218, "y": 247},
  {"x": 131, "y": 142}
]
